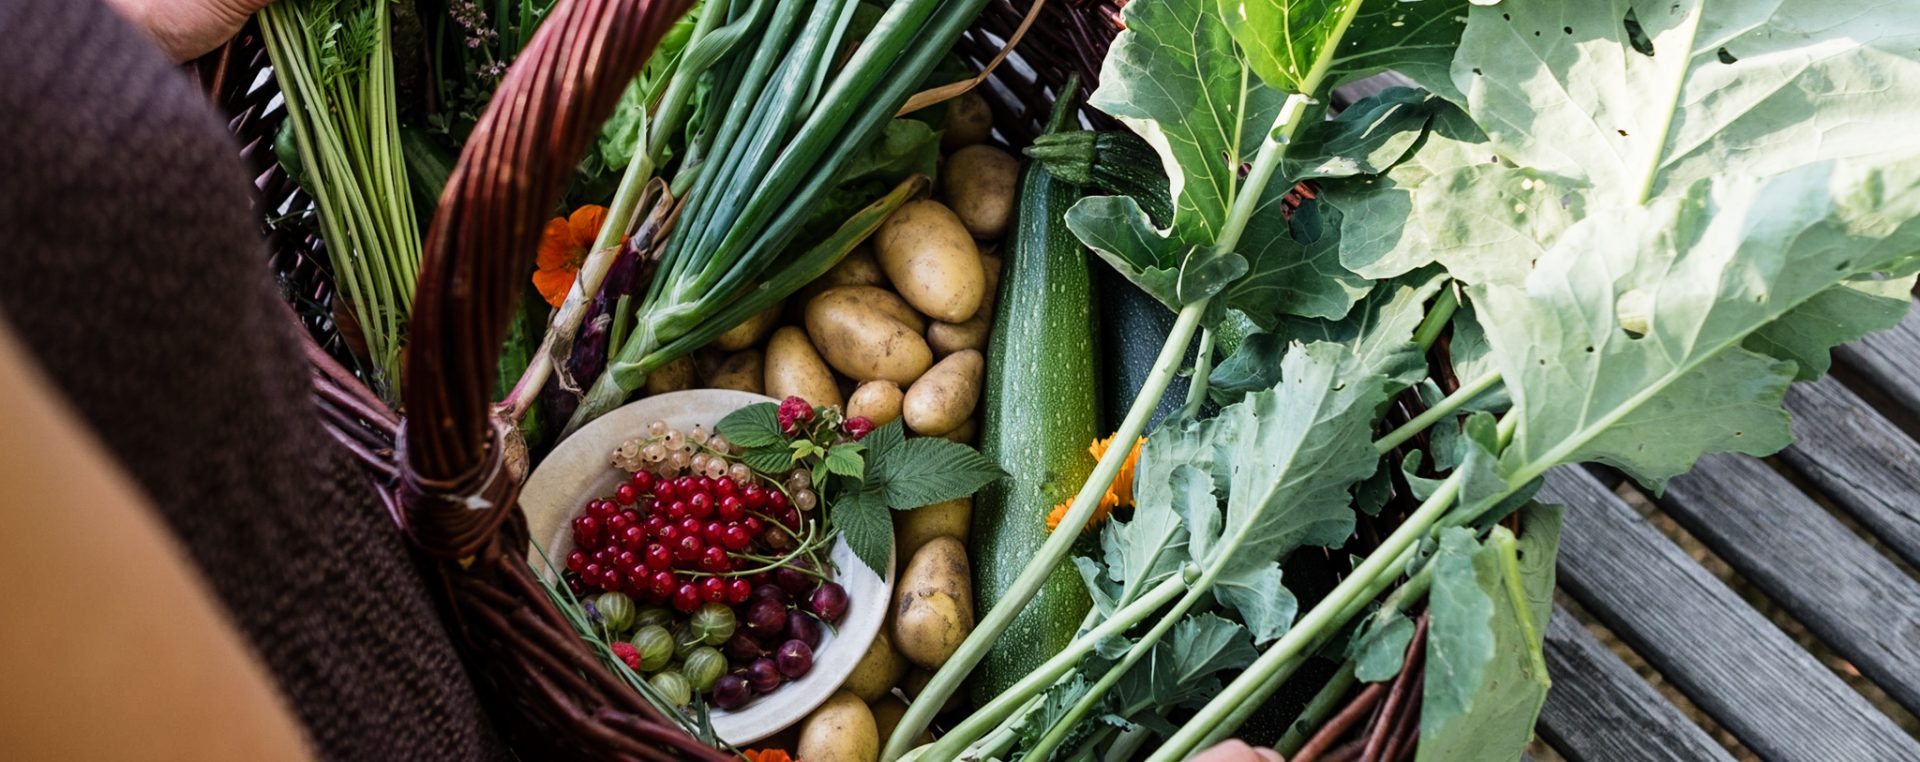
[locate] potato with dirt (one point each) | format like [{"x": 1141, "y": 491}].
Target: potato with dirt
[
  {"x": 878, "y": 670},
  {"x": 794, "y": 369},
  {"x": 913, "y": 529},
  {"x": 876, "y": 401},
  {"x": 933, "y": 607},
  {"x": 859, "y": 336},
  {"x": 980, "y": 183},
  {"x": 945, "y": 395},
  {"x": 932, "y": 261},
  {"x": 841, "y": 730}
]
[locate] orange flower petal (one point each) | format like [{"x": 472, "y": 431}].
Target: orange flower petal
[
  {"x": 554, "y": 284},
  {"x": 556, "y": 245},
  {"x": 585, "y": 224}
]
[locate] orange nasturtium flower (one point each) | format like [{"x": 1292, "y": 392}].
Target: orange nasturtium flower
[
  {"x": 1119, "y": 493},
  {"x": 564, "y": 248},
  {"x": 768, "y": 755}
]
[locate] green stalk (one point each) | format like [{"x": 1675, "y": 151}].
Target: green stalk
[
  {"x": 1445, "y": 407},
  {"x": 1197, "y": 385},
  {"x": 1323, "y": 704},
  {"x": 1265, "y": 675},
  {"x": 985, "y": 719},
  {"x": 1052, "y": 552},
  {"x": 1436, "y": 319}
]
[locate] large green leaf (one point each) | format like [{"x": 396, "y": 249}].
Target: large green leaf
[
  {"x": 1625, "y": 346},
  {"x": 1728, "y": 87},
  {"x": 1177, "y": 79},
  {"x": 1284, "y": 39},
  {"x": 1286, "y": 458},
  {"x": 1833, "y": 317},
  {"x": 1287, "y": 277},
  {"x": 1378, "y": 235},
  {"x": 1486, "y": 678},
  {"x": 1378, "y": 331}
]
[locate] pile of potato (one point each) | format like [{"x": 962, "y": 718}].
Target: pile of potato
[{"x": 897, "y": 330}]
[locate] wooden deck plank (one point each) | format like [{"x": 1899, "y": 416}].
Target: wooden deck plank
[
  {"x": 1600, "y": 711},
  {"x": 1890, "y": 359},
  {"x": 1855, "y": 456},
  {"x": 1727, "y": 658},
  {"x": 1844, "y": 591}
]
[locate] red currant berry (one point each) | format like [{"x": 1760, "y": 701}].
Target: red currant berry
[
  {"x": 754, "y": 495},
  {"x": 738, "y": 591},
  {"x": 689, "y": 548},
  {"x": 599, "y": 509},
  {"x": 776, "y": 501},
  {"x": 618, "y": 524},
  {"x": 713, "y": 589},
  {"x": 659, "y": 557},
  {"x": 791, "y": 518},
  {"x": 732, "y": 508},
  {"x": 686, "y": 599},
  {"x": 712, "y": 531},
  {"x": 725, "y": 487},
  {"x": 714, "y": 559},
  {"x": 603, "y": 556},
  {"x": 610, "y": 579},
  {"x": 654, "y": 524},
  {"x": 625, "y": 494},
  {"x": 626, "y": 558},
  {"x": 576, "y": 561},
  {"x": 677, "y": 510},
  {"x": 700, "y": 505},
  {"x": 669, "y": 534},
  {"x": 692, "y": 526},
  {"x": 633, "y": 516},
  {"x": 642, "y": 481},
  {"x": 664, "y": 491},
  {"x": 633, "y": 538},
  {"x": 736, "y": 538},
  {"x": 703, "y": 484},
  {"x": 663, "y": 584}
]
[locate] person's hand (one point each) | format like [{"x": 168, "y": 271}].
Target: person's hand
[
  {"x": 188, "y": 29},
  {"x": 1237, "y": 751}
]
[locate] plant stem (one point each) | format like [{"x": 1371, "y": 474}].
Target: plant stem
[
  {"x": 1317, "y": 710},
  {"x": 1264, "y": 676},
  {"x": 1057, "y": 546},
  {"x": 985, "y": 719},
  {"x": 1436, "y": 319},
  {"x": 1197, "y": 385},
  {"x": 1444, "y": 408}
]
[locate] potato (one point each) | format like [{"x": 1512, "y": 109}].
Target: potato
[
  {"x": 675, "y": 376},
  {"x": 947, "y": 338},
  {"x": 878, "y": 671},
  {"x": 886, "y": 716},
  {"x": 945, "y": 396},
  {"x": 980, "y": 182},
  {"x": 990, "y": 263},
  {"x": 794, "y": 369},
  {"x": 879, "y": 401},
  {"x": 933, "y": 606},
  {"x": 879, "y": 299},
  {"x": 965, "y": 433},
  {"x": 932, "y": 261},
  {"x": 841, "y": 730},
  {"x": 969, "y": 121},
  {"x": 912, "y": 529},
  {"x": 858, "y": 268},
  {"x": 744, "y": 370},
  {"x": 864, "y": 341},
  {"x": 750, "y": 331}
]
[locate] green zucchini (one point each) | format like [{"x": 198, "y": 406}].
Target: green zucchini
[
  {"x": 1119, "y": 163},
  {"x": 1040, "y": 413}
]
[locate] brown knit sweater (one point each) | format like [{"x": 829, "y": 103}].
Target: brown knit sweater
[{"x": 130, "y": 265}]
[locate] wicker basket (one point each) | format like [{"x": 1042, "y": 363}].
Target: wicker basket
[{"x": 549, "y": 693}]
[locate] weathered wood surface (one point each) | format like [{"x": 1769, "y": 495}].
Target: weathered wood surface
[
  {"x": 1854, "y": 455},
  {"x": 1845, "y": 592},
  {"x": 1890, "y": 359},
  {"x": 1727, "y": 658},
  {"x": 1599, "y": 710}
]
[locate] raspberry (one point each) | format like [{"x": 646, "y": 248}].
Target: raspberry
[
  {"x": 859, "y": 427},
  {"x": 625, "y": 652},
  {"x": 794, "y": 411}
]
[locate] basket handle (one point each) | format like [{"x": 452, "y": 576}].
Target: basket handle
[{"x": 455, "y": 489}]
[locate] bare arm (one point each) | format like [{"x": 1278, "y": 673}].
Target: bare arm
[
  {"x": 112, "y": 646},
  {"x": 188, "y": 29}
]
